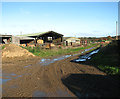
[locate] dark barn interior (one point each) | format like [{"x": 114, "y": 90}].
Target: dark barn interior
[
  {"x": 25, "y": 41},
  {"x": 8, "y": 39},
  {"x": 49, "y": 37}
]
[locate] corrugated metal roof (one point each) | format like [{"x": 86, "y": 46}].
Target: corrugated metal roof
[
  {"x": 38, "y": 34},
  {"x": 5, "y": 35},
  {"x": 25, "y": 38},
  {"x": 33, "y": 34}
]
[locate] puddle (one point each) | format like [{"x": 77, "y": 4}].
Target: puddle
[
  {"x": 7, "y": 77},
  {"x": 88, "y": 49},
  {"x": 49, "y": 61},
  {"x": 89, "y": 57},
  {"x": 39, "y": 94},
  {"x": 58, "y": 93},
  {"x": 86, "y": 57},
  {"x": 61, "y": 93},
  {"x": 3, "y": 81},
  {"x": 96, "y": 51},
  {"x": 27, "y": 66},
  {"x": 75, "y": 54},
  {"x": 45, "y": 62},
  {"x": 80, "y": 60},
  {"x": 13, "y": 74}
]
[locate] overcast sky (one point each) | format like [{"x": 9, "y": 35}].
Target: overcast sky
[{"x": 68, "y": 18}]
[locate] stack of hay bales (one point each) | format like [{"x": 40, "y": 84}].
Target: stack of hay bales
[
  {"x": 49, "y": 45},
  {"x": 40, "y": 41},
  {"x": 12, "y": 50}
]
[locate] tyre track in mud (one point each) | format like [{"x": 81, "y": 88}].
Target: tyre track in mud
[
  {"x": 47, "y": 76},
  {"x": 47, "y": 79}
]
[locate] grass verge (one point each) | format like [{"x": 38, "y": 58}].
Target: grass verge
[
  {"x": 53, "y": 52},
  {"x": 110, "y": 70},
  {"x": 107, "y": 59}
]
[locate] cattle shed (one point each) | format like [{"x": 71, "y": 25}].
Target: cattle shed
[{"x": 47, "y": 37}]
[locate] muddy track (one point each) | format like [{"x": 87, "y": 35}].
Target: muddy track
[{"x": 60, "y": 79}]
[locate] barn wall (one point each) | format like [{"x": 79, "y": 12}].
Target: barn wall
[
  {"x": 57, "y": 41},
  {"x": 15, "y": 40}
]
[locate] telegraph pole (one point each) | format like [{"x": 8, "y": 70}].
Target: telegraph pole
[{"x": 116, "y": 31}]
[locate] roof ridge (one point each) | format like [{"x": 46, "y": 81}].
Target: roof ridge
[
  {"x": 39, "y": 33},
  {"x": 30, "y": 33}
]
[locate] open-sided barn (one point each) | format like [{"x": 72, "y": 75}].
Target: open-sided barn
[
  {"x": 4, "y": 39},
  {"x": 47, "y": 37},
  {"x": 25, "y": 40}
]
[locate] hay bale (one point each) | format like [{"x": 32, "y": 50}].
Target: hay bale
[
  {"x": 12, "y": 50},
  {"x": 47, "y": 45},
  {"x": 52, "y": 45},
  {"x": 24, "y": 45},
  {"x": 40, "y": 41}
]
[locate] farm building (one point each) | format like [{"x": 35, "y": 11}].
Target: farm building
[
  {"x": 33, "y": 39},
  {"x": 71, "y": 41},
  {"x": 5, "y": 39},
  {"x": 25, "y": 40},
  {"x": 46, "y": 37}
]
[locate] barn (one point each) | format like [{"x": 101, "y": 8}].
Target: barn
[
  {"x": 5, "y": 39},
  {"x": 47, "y": 37},
  {"x": 25, "y": 40}
]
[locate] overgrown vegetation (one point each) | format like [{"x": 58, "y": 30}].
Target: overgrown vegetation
[
  {"x": 110, "y": 70},
  {"x": 53, "y": 52},
  {"x": 107, "y": 59}
]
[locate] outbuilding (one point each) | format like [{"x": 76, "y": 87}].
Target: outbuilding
[{"x": 71, "y": 41}]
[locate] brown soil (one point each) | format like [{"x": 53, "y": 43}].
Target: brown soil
[
  {"x": 60, "y": 79},
  {"x": 12, "y": 50}
]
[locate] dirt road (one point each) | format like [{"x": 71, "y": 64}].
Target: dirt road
[{"x": 29, "y": 78}]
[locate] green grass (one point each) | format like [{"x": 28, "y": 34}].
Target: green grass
[
  {"x": 53, "y": 52},
  {"x": 3, "y": 46},
  {"x": 107, "y": 59},
  {"x": 110, "y": 70}
]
